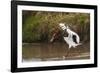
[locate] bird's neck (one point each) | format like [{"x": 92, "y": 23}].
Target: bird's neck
[{"x": 68, "y": 30}]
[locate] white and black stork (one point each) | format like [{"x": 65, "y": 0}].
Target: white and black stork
[{"x": 73, "y": 38}]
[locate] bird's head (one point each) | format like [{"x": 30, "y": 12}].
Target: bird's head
[{"x": 62, "y": 25}]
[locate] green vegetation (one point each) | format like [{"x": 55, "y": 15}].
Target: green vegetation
[{"x": 38, "y": 25}]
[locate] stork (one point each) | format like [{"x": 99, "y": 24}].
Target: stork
[{"x": 72, "y": 39}]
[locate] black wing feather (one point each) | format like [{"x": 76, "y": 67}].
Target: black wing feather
[{"x": 74, "y": 38}]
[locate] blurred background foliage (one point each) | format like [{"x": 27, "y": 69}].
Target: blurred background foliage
[{"x": 37, "y": 26}]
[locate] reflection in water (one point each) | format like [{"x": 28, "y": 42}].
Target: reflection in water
[{"x": 55, "y": 51}]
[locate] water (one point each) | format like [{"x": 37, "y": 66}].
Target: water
[{"x": 55, "y": 51}]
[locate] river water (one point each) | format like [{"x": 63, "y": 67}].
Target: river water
[{"x": 55, "y": 51}]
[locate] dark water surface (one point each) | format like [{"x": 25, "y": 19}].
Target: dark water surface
[{"x": 55, "y": 51}]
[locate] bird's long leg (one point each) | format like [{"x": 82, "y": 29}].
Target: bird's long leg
[
  {"x": 67, "y": 55},
  {"x": 69, "y": 46}
]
